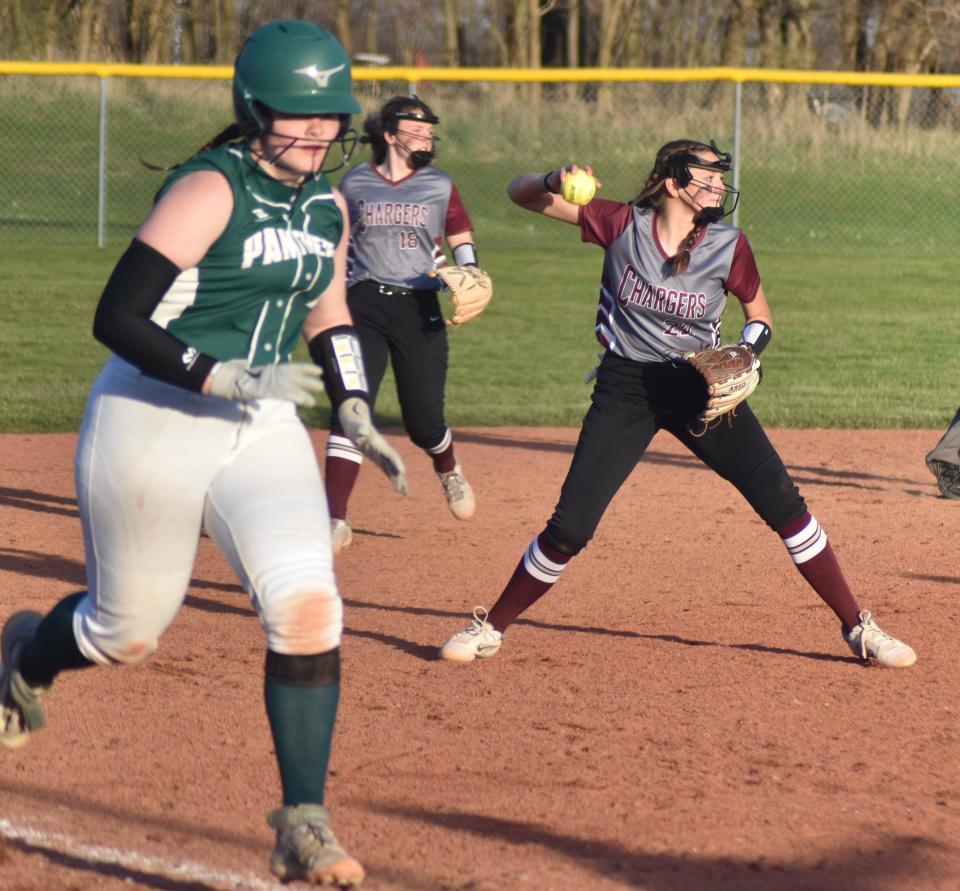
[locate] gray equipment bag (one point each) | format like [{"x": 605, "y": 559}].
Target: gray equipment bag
[{"x": 944, "y": 460}]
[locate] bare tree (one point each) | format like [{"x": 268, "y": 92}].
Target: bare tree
[
  {"x": 451, "y": 32},
  {"x": 733, "y": 30},
  {"x": 611, "y": 15},
  {"x": 877, "y": 35},
  {"x": 342, "y": 27},
  {"x": 370, "y": 43},
  {"x": 225, "y": 29},
  {"x": 12, "y": 12},
  {"x": 89, "y": 28}
]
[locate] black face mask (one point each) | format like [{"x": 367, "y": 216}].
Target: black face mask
[
  {"x": 421, "y": 158},
  {"x": 710, "y": 215}
]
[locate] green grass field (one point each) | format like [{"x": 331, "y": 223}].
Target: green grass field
[
  {"x": 869, "y": 345},
  {"x": 853, "y": 231}
]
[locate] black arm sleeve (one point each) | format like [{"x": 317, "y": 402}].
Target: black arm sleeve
[
  {"x": 337, "y": 351},
  {"x": 122, "y": 321}
]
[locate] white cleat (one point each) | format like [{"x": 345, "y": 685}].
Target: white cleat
[
  {"x": 479, "y": 640},
  {"x": 340, "y": 535},
  {"x": 459, "y": 493},
  {"x": 868, "y": 641}
]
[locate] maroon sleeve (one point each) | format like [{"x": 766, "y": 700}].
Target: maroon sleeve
[
  {"x": 743, "y": 280},
  {"x": 458, "y": 220},
  {"x": 603, "y": 222}
]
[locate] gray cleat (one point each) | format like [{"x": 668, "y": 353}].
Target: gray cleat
[
  {"x": 21, "y": 709},
  {"x": 308, "y": 850}
]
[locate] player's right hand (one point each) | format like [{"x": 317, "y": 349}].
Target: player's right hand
[
  {"x": 294, "y": 381},
  {"x": 354, "y": 416}
]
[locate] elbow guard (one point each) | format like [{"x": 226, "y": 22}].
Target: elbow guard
[{"x": 337, "y": 351}]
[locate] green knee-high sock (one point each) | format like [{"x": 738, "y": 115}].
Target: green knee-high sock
[
  {"x": 54, "y": 647},
  {"x": 302, "y": 694}
]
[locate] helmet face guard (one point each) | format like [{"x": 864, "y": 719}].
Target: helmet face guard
[
  {"x": 678, "y": 167},
  {"x": 420, "y": 157},
  {"x": 713, "y": 214},
  {"x": 347, "y": 140}
]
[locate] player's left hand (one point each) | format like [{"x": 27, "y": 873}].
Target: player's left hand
[
  {"x": 354, "y": 416},
  {"x": 471, "y": 289},
  {"x": 732, "y": 373}
]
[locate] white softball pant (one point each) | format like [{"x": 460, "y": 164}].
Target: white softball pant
[{"x": 154, "y": 463}]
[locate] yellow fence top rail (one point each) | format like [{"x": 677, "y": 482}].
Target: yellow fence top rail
[
  {"x": 514, "y": 75},
  {"x": 104, "y": 69}
]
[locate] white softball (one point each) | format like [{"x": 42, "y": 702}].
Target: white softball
[{"x": 579, "y": 187}]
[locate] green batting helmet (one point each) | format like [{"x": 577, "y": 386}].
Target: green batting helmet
[{"x": 291, "y": 66}]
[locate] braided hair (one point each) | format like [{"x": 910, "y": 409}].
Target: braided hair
[
  {"x": 230, "y": 133},
  {"x": 672, "y": 159},
  {"x": 385, "y": 121}
]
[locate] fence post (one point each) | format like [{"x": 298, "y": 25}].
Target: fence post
[
  {"x": 737, "y": 98},
  {"x": 102, "y": 166}
]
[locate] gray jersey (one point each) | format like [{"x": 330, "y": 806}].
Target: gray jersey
[
  {"x": 397, "y": 229},
  {"x": 647, "y": 311}
]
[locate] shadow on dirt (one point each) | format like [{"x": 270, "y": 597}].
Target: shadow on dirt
[
  {"x": 819, "y": 476},
  {"x": 71, "y": 571},
  {"x": 39, "y": 565},
  {"x": 205, "y": 604},
  {"x": 887, "y": 864},
  {"x": 40, "y": 502},
  {"x": 420, "y": 651},
  {"x": 942, "y": 579},
  {"x": 431, "y": 652}
]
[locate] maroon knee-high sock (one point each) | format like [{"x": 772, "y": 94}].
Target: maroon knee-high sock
[
  {"x": 808, "y": 546},
  {"x": 442, "y": 454},
  {"x": 340, "y": 473},
  {"x": 535, "y": 574}
]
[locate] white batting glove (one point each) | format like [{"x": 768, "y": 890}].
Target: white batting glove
[
  {"x": 294, "y": 381},
  {"x": 354, "y": 415}
]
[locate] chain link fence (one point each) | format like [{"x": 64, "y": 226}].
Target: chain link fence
[{"x": 850, "y": 170}]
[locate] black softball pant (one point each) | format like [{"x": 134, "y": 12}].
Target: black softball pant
[
  {"x": 405, "y": 327},
  {"x": 631, "y": 402}
]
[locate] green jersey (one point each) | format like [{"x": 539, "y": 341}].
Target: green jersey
[{"x": 247, "y": 298}]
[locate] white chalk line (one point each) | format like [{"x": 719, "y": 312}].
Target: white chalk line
[{"x": 176, "y": 870}]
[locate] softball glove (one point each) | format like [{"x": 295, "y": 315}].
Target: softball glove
[
  {"x": 732, "y": 373},
  {"x": 470, "y": 288}
]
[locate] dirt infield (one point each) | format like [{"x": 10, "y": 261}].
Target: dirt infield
[{"x": 679, "y": 714}]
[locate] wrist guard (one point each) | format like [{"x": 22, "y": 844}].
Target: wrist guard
[{"x": 756, "y": 335}]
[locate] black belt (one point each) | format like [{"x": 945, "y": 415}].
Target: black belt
[{"x": 392, "y": 290}]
